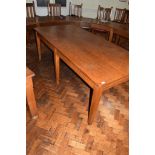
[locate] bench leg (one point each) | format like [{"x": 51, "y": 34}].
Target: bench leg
[{"x": 31, "y": 98}]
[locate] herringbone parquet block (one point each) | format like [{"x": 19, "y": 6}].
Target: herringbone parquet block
[{"x": 61, "y": 128}]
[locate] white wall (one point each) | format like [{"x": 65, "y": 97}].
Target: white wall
[{"x": 89, "y": 8}]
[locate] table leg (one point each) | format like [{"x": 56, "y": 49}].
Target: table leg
[
  {"x": 38, "y": 45},
  {"x": 57, "y": 66},
  {"x": 111, "y": 35},
  {"x": 97, "y": 92},
  {"x": 117, "y": 39},
  {"x": 31, "y": 98}
]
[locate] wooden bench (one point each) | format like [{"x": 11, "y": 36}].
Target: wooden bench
[{"x": 30, "y": 94}]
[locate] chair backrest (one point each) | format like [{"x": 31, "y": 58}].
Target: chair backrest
[
  {"x": 100, "y": 12},
  {"x": 104, "y": 13},
  {"x": 54, "y": 9},
  {"x": 30, "y": 10},
  {"x": 102, "y": 28},
  {"x": 75, "y": 10},
  {"x": 119, "y": 15},
  {"x": 107, "y": 13},
  {"x": 126, "y": 17}
]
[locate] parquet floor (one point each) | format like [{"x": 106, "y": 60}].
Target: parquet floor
[{"x": 61, "y": 128}]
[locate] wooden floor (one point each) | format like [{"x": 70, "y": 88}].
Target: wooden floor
[{"x": 61, "y": 128}]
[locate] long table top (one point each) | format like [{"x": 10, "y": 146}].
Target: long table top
[
  {"x": 121, "y": 29},
  {"x": 98, "y": 60},
  {"x": 45, "y": 21}
]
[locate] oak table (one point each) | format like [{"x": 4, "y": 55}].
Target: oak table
[
  {"x": 30, "y": 93},
  {"x": 118, "y": 28},
  {"x": 98, "y": 62}
]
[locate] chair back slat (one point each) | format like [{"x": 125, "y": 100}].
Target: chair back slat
[
  {"x": 100, "y": 12},
  {"x": 30, "y": 10},
  {"x": 107, "y": 13}
]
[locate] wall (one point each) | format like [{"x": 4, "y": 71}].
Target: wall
[{"x": 89, "y": 7}]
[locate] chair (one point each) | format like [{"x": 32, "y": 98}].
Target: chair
[
  {"x": 102, "y": 29},
  {"x": 30, "y": 18},
  {"x": 30, "y": 10},
  {"x": 54, "y": 9},
  {"x": 75, "y": 10},
  {"x": 104, "y": 13},
  {"x": 119, "y": 15},
  {"x": 126, "y": 17}
]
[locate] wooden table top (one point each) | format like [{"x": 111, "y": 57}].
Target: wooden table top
[
  {"x": 41, "y": 20},
  {"x": 114, "y": 25},
  {"x": 76, "y": 19},
  {"x": 45, "y": 20},
  {"x": 118, "y": 28},
  {"x": 52, "y": 20},
  {"x": 121, "y": 29},
  {"x": 99, "y": 60},
  {"x": 92, "y": 20}
]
